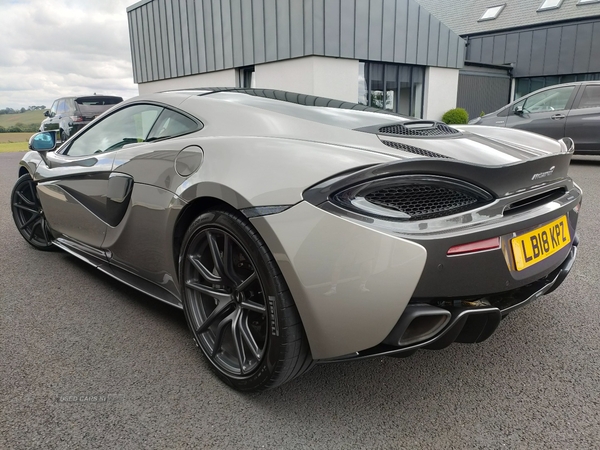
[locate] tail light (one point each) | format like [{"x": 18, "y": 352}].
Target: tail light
[
  {"x": 77, "y": 118},
  {"x": 474, "y": 247}
]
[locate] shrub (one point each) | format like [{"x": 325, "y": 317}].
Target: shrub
[{"x": 456, "y": 116}]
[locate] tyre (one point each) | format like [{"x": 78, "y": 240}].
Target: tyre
[
  {"x": 238, "y": 306},
  {"x": 28, "y": 214}
]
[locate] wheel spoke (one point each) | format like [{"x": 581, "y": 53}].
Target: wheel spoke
[
  {"x": 32, "y": 231},
  {"x": 25, "y": 208},
  {"x": 33, "y": 217},
  {"x": 228, "y": 260},
  {"x": 244, "y": 284},
  {"x": 221, "y": 328},
  {"x": 253, "y": 306},
  {"x": 204, "y": 272},
  {"x": 44, "y": 230},
  {"x": 218, "y": 295},
  {"x": 32, "y": 188},
  {"x": 248, "y": 338},
  {"x": 218, "y": 312},
  {"x": 25, "y": 199},
  {"x": 238, "y": 341}
]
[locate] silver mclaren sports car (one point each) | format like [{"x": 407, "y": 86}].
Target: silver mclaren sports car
[{"x": 294, "y": 229}]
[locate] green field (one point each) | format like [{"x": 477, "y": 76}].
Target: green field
[
  {"x": 14, "y": 142},
  {"x": 26, "y": 118}
]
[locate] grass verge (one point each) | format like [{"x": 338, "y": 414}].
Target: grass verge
[{"x": 13, "y": 147}]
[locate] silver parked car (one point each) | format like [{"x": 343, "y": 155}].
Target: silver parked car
[
  {"x": 294, "y": 229},
  {"x": 564, "y": 110}
]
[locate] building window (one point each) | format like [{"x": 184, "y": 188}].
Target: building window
[
  {"x": 524, "y": 86},
  {"x": 550, "y": 4},
  {"x": 491, "y": 13},
  {"x": 246, "y": 77},
  {"x": 394, "y": 87}
]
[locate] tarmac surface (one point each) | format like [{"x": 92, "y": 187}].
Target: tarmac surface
[{"x": 86, "y": 362}]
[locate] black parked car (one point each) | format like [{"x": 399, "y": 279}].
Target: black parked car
[
  {"x": 68, "y": 115},
  {"x": 564, "y": 110}
]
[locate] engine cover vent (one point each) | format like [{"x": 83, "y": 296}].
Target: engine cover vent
[
  {"x": 414, "y": 150},
  {"x": 420, "y": 129}
]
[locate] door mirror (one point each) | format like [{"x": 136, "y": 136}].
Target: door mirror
[
  {"x": 47, "y": 113},
  {"x": 519, "y": 110},
  {"x": 43, "y": 142}
]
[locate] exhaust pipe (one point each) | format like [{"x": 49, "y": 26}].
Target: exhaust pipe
[{"x": 417, "y": 324}]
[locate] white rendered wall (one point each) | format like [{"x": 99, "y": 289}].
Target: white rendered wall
[
  {"x": 315, "y": 75},
  {"x": 222, "y": 78},
  {"x": 441, "y": 91}
]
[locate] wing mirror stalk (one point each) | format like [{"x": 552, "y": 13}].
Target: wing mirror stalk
[{"x": 43, "y": 143}]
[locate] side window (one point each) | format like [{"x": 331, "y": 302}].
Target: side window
[
  {"x": 53, "y": 109},
  {"x": 550, "y": 100},
  {"x": 62, "y": 107},
  {"x": 124, "y": 127},
  {"x": 590, "y": 97},
  {"x": 170, "y": 124}
]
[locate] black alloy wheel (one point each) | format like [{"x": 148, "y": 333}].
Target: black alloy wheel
[
  {"x": 28, "y": 214},
  {"x": 237, "y": 305}
]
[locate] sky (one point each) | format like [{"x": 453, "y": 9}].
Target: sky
[{"x": 61, "y": 48}]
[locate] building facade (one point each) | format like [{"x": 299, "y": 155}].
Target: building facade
[
  {"x": 530, "y": 43},
  {"x": 391, "y": 54}
]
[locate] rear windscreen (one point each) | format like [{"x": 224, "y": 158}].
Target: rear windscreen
[{"x": 98, "y": 100}]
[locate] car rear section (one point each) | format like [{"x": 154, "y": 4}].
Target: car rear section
[
  {"x": 86, "y": 109},
  {"x": 431, "y": 249}
]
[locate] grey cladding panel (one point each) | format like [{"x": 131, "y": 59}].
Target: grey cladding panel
[
  {"x": 296, "y": 29},
  {"x": 595, "y": 50},
  {"x": 538, "y": 46},
  {"x": 218, "y": 35},
  {"x": 185, "y": 39},
  {"x": 236, "y": 33},
  {"x": 258, "y": 25},
  {"x": 332, "y": 27},
  {"x": 567, "y": 49},
  {"x": 401, "y": 29},
  {"x": 318, "y": 27},
  {"x": 158, "y": 55},
  {"x": 583, "y": 46},
  {"x": 270, "y": 14},
  {"x": 171, "y": 38},
  {"x": 524, "y": 51},
  {"x": 487, "y": 49},
  {"x": 347, "y": 28},
  {"x": 375, "y": 27},
  {"x": 283, "y": 29},
  {"x": 227, "y": 33},
  {"x": 434, "y": 39},
  {"x": 499, "y": 49},
  {"x": 247, "y": 32},
  {"x": 388, "y": 30},
  {"x": 191, "y": 22},
  {"x": 544, "y": 50}
]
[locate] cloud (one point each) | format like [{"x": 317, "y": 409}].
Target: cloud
[{"x": 52, "y": 49}]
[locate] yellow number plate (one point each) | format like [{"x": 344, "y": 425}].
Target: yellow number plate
[{"x": 532, "y": 247}]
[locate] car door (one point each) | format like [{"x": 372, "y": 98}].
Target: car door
[
  {"x": 49, "y": 124},
  {"x": 543, "y": 112},
  {"x": 583, "y": 122},
  {"x": 80, "y": 194}
]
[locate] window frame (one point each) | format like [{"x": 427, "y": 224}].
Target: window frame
[
  {"x": 549, "y": 8},
  {"x": 501, "y": 6},
  {"x": 200, "y": 125}
]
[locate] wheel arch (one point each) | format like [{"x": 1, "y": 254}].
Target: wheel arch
[
  {"x": 187, "y": 215},
  {"x": 22, "y": 171}
]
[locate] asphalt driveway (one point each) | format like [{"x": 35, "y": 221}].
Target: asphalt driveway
[{"x": 86, "y": 362}]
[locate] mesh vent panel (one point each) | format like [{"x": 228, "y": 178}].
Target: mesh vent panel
[
  {"x": 415, "y": 150},
  {"x": 440, "y": 129},
  {"x": 423, "y": 201}
]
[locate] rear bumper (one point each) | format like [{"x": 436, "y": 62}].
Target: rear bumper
[{"x": 466, "y": 324}]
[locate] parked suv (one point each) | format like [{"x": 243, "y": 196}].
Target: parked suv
[
  {"x": 563, "y": 110},
  {"x": 70, "y": 114}
]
